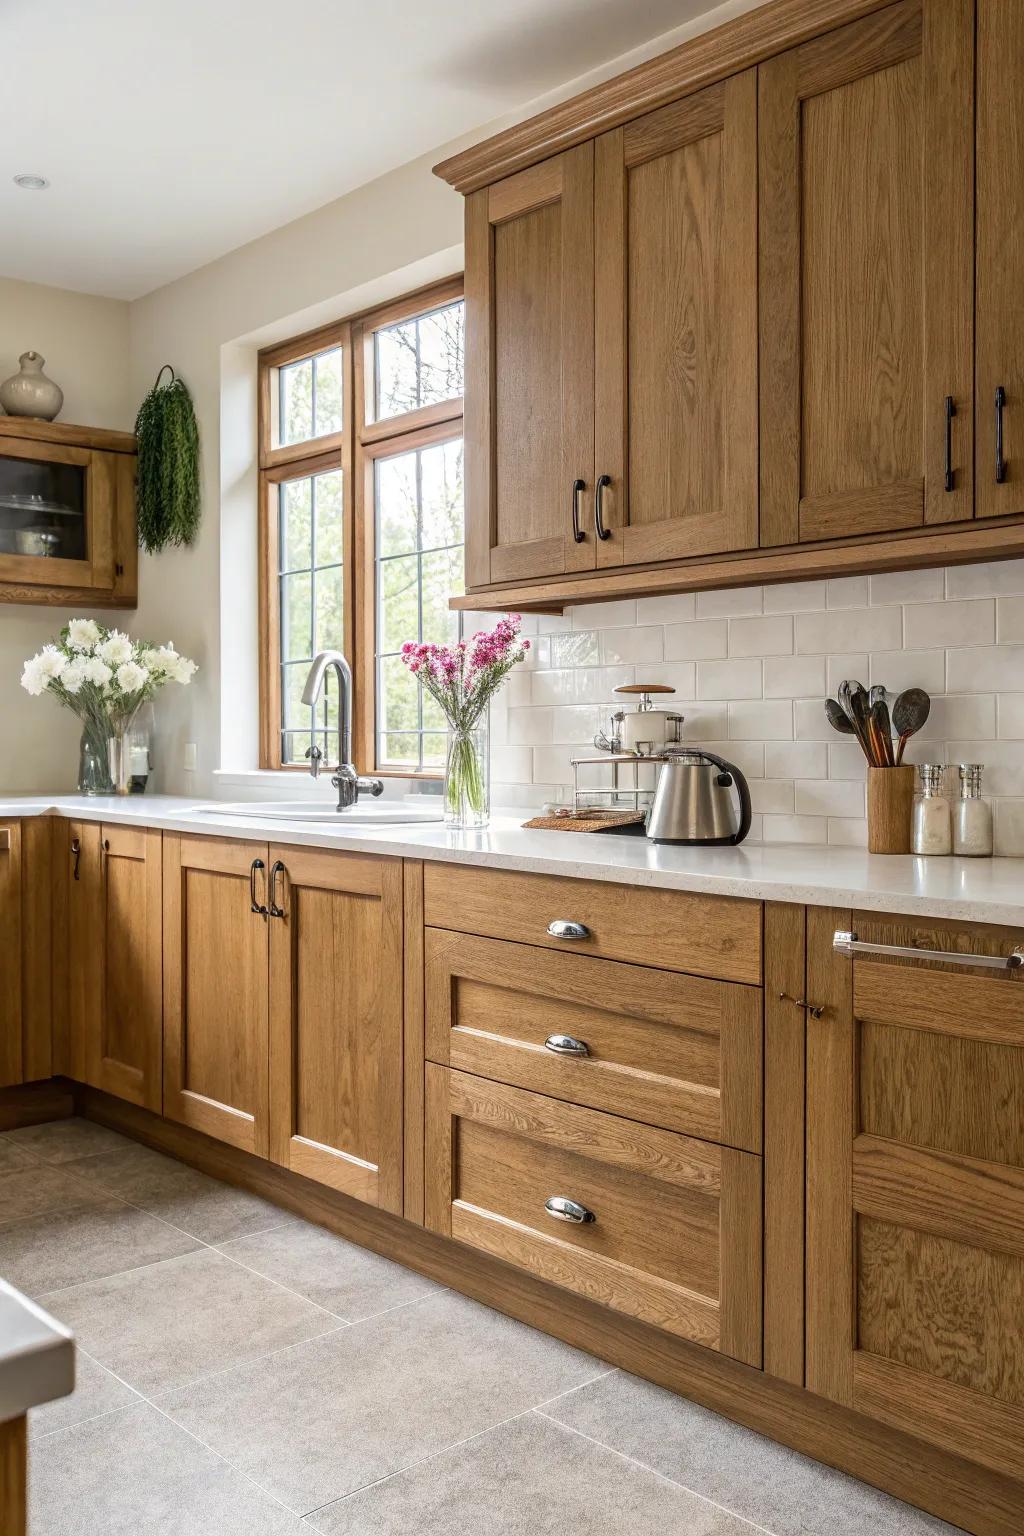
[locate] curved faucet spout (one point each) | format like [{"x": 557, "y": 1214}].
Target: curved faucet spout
[{"x": 346, "y": 779}]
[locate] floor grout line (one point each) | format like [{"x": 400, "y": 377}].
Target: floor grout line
[{"x": 645, "y": 1467}]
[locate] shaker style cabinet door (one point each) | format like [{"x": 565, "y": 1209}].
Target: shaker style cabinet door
[
  {"x": 216, "y": 1042},
  {"x": 336, "y": 1020},
  {"x": 113, "y": 989},
  {"x": 999, "y": 407},
  {"x": 675, "y": 196},
  {"x": 915, "y": 1192},
  {"x": 530, "y": 372},
  {"x": 11, "y": 1053},
  {"x": 865, "y": 285}
]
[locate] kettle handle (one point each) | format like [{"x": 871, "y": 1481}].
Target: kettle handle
[{"x": 744, "y": 793}]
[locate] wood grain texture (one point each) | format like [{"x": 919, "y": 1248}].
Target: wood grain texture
[
  {"x": 67, "y": 434},
  {"x": 940, "y": 1192},
  {"x": 868, "y": 509},
  {"x": 123, "y": 1046},
  {"x": 1000, "y": 257},
  {"x": 336, "y": 1021},
  {"x": 35, "y": 1104},
  {"x": 84, "y": 967},
  {"x": 890, "y": 802},
  {"x": 785, "y": 1029},
  {"x": 670, "y": 1050},
  {"x": 676, "y": 1238},
  {"x": 14, "y": 1476},
  {"x": 943, "y": 1482},
  {"x": 216, "y": 1019},
  {"x": 712, "y": 55},
  {"x": 414, "y": 1045},
  {"x": 11, "y": 957},
  {"x": 37, "y": 948},
  {"x": 674, "y": 930},
  {"x": 676, "y": 320}
]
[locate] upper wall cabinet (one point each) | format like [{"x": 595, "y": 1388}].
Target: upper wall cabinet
[
  {"x": 999, "y": 378},
  {"x": 530, "y": 373},
  {"x": 865, "y": 281},
  {"x": 676, "y": 329},
  {"x": 67, "y": 514}
]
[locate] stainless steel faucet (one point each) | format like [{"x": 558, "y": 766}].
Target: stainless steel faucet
[{"x": 346, "y": 780}]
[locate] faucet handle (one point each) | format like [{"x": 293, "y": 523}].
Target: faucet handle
[
  {"x": 315, "y": 757},
  {"x": 372, "y": 787}
]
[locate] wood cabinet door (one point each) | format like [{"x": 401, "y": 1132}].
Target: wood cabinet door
[
  {"x": 915, "y": 1192},
  {"x": 336, "y": 1020},
  {"x": 11, "y": 1047},
  {"x": 675, "y": 197},
  {"x": 216, "y": 1041},
  {"x": 123, "y": 1041},
  {"x": 98, "y": 471},
  {"x": 530, "y": 372},
  {"x": 1000, "y": 264},
  {"x": 865, "y": 280},
  {"x": 659, "y": 1226}
]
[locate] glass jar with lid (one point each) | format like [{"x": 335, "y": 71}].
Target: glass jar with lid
[
  {"x": 931, "y": 826},
  {"x": 972, "y": 816}
]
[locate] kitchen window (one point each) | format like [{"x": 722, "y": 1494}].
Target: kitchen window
[{"x": 361, "y": 525}]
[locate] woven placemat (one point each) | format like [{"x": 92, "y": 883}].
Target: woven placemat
[{"x": 584, "y": 823}]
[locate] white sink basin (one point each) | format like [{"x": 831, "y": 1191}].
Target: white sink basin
[{"x": 367, "y": 813}]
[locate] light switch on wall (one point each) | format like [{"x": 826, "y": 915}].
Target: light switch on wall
[{"x": 191, "y": 762}]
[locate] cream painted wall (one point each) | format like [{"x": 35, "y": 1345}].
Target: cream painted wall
[{"x": 85, "y": 343}]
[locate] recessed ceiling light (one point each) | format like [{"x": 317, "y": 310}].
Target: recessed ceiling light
[{"x": 31, "y": 183}]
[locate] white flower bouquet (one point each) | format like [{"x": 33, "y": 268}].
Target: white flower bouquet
[{"x": 104, "y": 677}]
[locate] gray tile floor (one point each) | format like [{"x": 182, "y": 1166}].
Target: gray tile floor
[{"x": 244, "y": 1373}]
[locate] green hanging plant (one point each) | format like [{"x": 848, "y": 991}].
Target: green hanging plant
[{"x": 167, "y": 491}]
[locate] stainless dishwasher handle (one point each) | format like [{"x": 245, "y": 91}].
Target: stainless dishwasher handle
[
  {"x": 568, "y": 1210},
  {"x": 560, "y": 928},
  {"x": 566, "y": 1045},
  {"x": 849, "y": 944}
]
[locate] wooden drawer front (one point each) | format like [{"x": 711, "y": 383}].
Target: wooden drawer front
[
  {"x": 676, "y": 1051},
  {"x": 716, "y": 936},
  {"x": 676, "y": 1239}
]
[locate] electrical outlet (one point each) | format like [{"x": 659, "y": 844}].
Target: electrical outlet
[{"x": 191, "y": 757}]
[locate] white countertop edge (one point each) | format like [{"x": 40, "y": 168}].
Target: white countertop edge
[
  {"x": 37, "y": 1355},
  {"x": 981, "y": 890}
]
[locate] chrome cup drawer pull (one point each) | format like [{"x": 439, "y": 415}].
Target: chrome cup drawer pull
[
  {"x": 568, "y": 1210},
  {"x": 560, "y": 928},
  {"x": 566, "y": 1045}
]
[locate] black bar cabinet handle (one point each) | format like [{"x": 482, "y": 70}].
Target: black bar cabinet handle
[
  {"x": 950, "y": 413},
  {"x": 578, "y": 487},
  {"x": 1000, "y": 461},
  {"x": 277, "y": 868},
  {"x": 76, "y": 850},
  {"x": 599, "y": 527},
  {"x": 254, "y": 905}
]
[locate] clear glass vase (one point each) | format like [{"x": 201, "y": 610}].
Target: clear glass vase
[
  {"x": 467, "y": 782},
  {"x": 119, "y": 751},
  {"x": 94, "y": 760}
]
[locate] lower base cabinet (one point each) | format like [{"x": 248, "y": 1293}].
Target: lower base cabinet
[{"x": 651, "y": 1223}]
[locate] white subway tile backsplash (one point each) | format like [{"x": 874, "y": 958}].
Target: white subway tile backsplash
[
  {"x": 752, "y": 668},
  {"x": 772, "y": 636},
  {"x": 718, "y": 605},
  {"x": 793, "y": 677},
  {"x": 641, "y": 645},
  {"x": 740, "y": 679},
  {"x": 968, "y": 623},
  {"x": 848, "y": 629},
  {"x": 701, "y": 640}
]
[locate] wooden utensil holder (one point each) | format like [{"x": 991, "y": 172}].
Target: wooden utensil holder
[{"x": 890, "y": 803}]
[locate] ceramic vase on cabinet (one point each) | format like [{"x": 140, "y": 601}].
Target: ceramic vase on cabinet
[{"x": 29, "y": 392}]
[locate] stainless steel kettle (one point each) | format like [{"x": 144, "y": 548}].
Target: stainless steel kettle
[{"x": 699, "y": 798}]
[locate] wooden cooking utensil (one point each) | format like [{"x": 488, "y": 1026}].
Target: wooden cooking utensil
[{"x": 909, "y": 713}]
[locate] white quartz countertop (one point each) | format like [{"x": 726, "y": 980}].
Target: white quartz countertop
[
  {"x": 37, "y": 1356},
  {"x": 981, "y": 890}
]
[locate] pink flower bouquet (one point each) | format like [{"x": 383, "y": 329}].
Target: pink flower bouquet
[{"x": 462, "y": 679}]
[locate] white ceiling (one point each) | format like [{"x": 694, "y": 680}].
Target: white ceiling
[{"x": 172, "y": 133}]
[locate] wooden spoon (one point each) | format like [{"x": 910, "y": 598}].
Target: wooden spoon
[{"x": 909, "y": 713}]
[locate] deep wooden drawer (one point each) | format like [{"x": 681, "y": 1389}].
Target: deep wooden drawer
[
  {"x": 672, "y": 1050},
  {"x": 676, "y": 1234},
  {"x": 716, "y": 936}
]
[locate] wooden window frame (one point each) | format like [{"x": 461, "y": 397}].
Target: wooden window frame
[{"x": 354, "y": 450}]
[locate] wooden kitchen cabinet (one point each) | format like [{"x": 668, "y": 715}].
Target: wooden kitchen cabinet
[
  {"x": 865, "y": 282},
  {"x": 675, "y": 251},
  {"x": 530, "y": 371},
  {"x": 999, "y": 476},
  {"x": 915, "y": 1192},
  {"x": 216, "y": 994},
  {"x": 110, "y": 976},
  {"x": 25, "y": 990},
  {"x": 336, "y": 1020},
  {"x": 72, "y": 490}
]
